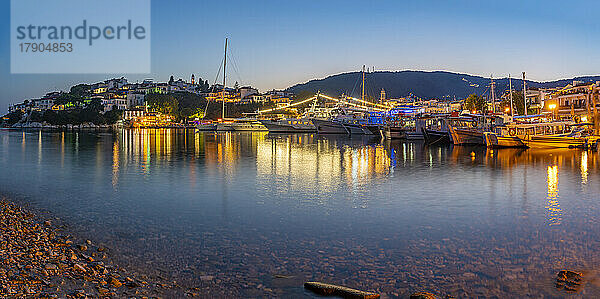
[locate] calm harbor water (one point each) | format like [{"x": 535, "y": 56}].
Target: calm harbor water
[{"x": 256, "y": 214}]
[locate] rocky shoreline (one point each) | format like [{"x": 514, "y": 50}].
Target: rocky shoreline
[{"x": 39, "y": 259}]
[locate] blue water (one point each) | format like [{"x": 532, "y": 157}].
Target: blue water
[{"x": 258, "y": 214}]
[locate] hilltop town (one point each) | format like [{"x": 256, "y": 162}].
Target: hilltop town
[{"x": 146, "y": 103}]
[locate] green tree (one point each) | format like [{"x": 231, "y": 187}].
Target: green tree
[
  {"x": 475, "y": 103},
  {"x": 112, "y": 116},
  {"x": 163, "y": 103},
  {"x": 517, "y": 103}
]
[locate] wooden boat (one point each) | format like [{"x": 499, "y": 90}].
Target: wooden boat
[
  {"x": 557, "y": 134},
  {"x": 435, "y": 130},
  {"x": 573, "y": 136},
  {"x": 432, "y": 136},
  {"x": 469, "y": 129},
  {"x": 461, "y": 136},
  {"x": 393, "y": 132},
  {"x": 401, "y": 127},
  {"x": 556, "y": 142},
  {"x": 498, "y": 140}
]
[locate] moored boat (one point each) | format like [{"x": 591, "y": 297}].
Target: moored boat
[
  {"x": 289, "y": 125},
  {"x": 469, "y": 129},
  {"x": 326, "y": 126},
  {"x": 435, "y": 129},
  {"x": 354, "y": 128},
  {"x": 206, "y": 126},
  {"x": 463, "y": 136},
  {"x": 499, "y": 140},
  {"x": 393, "y": 132},
  {"x": 432, "y": 136}
]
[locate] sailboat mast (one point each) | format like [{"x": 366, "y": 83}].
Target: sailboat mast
[
  {"x": 224, "y": 74},
  {"x": 512, "y": 114},
  {"x": 524, "y": 94},
  {"x": 362, "y": 96},
  {"x": 492, "y": 94}
]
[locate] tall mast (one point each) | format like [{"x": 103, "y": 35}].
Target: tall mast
[
  {"x": 524, "y": 94},
  {"x": 224, "y": 73},
  {"x": 511, "y": 97},
  {"x": 492, "y": 94},
  {"x": 362, "y": 96}
]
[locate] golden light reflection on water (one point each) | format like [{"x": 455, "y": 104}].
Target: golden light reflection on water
[
  {"x": 553, "y": 204},
  {"x": 323, "y": 161},
  {"x": 584, "y": 167},
  {"x": 115, "y": 165}
]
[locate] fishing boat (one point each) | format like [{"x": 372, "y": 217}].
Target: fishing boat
[
  {"x": 399, "y": 123},
  {"x": 556, "y": 135},
  {"x": 502, "y": 139},
  {"x": 435, "y": 130},
  {"x": 415, "y": 131},
  {"x": 393, "y": 132},
  {"x": 469, "y": 129}
]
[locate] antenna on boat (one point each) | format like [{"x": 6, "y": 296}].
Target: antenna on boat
[{"x": 224, "y": 73}]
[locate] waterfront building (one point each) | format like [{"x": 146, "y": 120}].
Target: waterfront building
[{"x": 575, "y": 100}]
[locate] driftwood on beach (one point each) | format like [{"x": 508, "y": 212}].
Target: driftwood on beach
[{"x": 326, "y": 289}]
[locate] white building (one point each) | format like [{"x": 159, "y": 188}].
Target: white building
[
  {"x": 247, "y": 91},
  {"x": 135, "y": 99},
  {"x": 116, "y": 83},
  {"x": 110, "y": 104}
]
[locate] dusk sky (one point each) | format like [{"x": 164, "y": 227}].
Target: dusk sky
[{"x": 275, "y": 44}]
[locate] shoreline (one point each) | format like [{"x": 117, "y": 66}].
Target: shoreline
[{"x": 39, "y": 258}]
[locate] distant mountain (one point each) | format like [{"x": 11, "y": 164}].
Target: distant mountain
[{"x": 421, "y": 84}]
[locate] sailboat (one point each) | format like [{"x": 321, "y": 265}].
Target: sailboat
[
  {"x": 346, "y": 120},
  {"x": 242, "y": 124}
]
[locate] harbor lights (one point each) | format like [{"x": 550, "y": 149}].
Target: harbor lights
[{"x": 553, "y": 108}]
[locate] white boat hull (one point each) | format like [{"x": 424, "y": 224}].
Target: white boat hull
[
  {"x": 286, "y": 127},
  {"x": 329, "y": 127}
]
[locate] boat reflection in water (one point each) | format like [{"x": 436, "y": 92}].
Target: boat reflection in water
[{"x": 361, "y": 211}]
